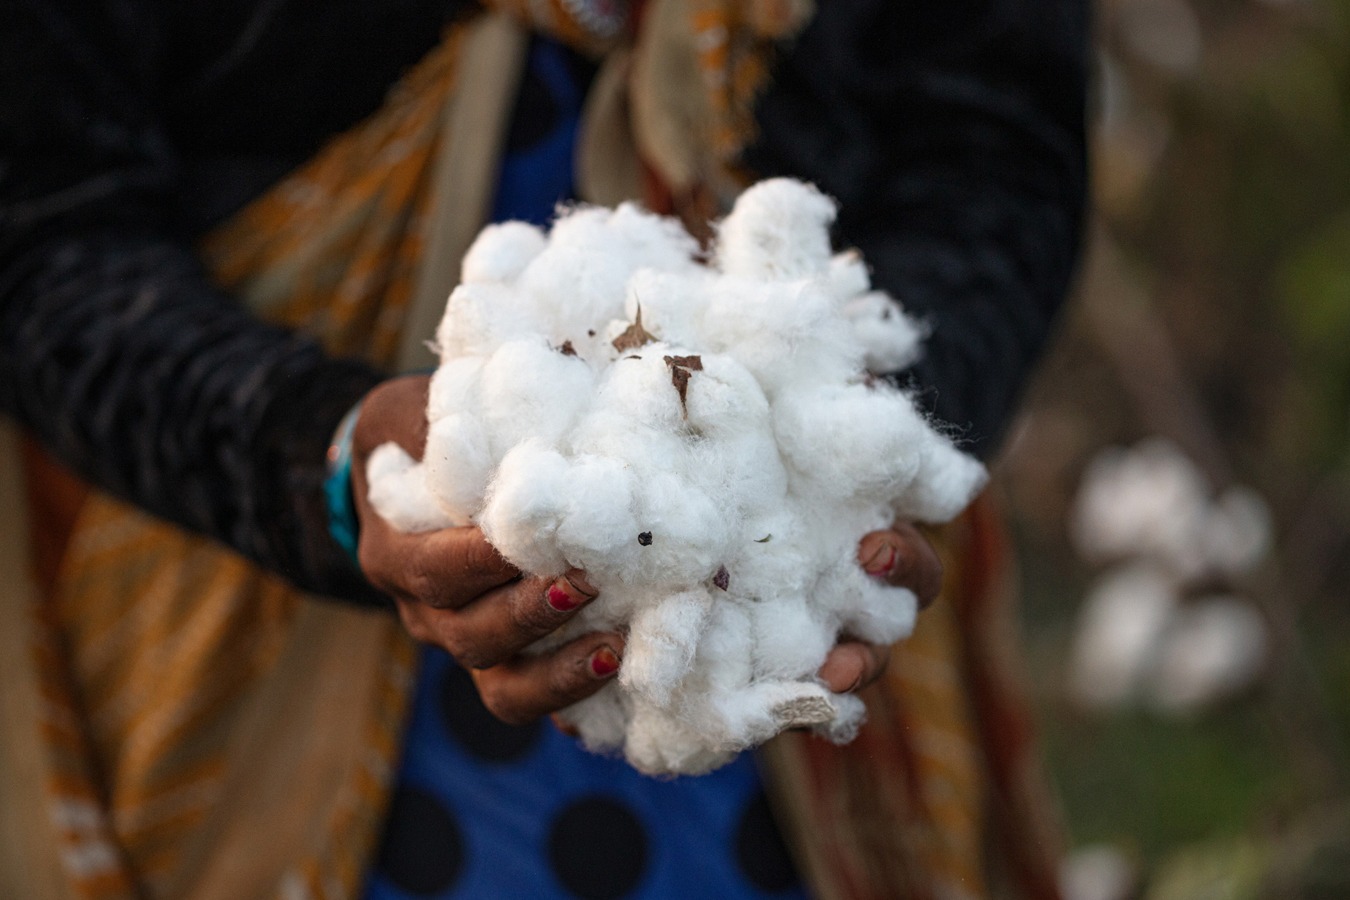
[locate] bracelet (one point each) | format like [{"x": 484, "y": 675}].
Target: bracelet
[{"x": 337, "y": 486}]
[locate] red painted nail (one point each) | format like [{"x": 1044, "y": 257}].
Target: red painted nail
[
  {"x": 884, "y": 567},
  {"x": 604, "y": 663},
  {"x": 559, "y": 599}
]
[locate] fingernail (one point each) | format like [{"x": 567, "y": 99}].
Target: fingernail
[
  {"x": 560, "y": 599},
  {"x": 604, "y": 663},
  {"x": 570, "y": 591},
  {"x": 577, "y": 579},
  {"x": 880, "y": 559}
]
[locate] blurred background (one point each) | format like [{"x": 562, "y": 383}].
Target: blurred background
[{"x": 1179, "y": 481}]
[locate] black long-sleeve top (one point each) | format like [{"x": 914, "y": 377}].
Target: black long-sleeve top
[{"x": 951, "y": 133}]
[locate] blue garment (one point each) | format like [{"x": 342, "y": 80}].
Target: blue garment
[{"x": 487, "y": 810}]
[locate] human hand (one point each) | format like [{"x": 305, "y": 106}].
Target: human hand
[
  {"x": 903, "y": 557},
  {"x": 453, "y": 589}
]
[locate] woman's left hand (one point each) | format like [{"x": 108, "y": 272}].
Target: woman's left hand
[{"x": 903, "y": 557}]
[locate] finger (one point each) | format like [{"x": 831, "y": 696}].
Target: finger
[
  {"x": 853, "y": 665},
  {"x": 903, "y": 557},
  {"x": 530, "y": 687},
  {"x": 498, "y": 625},
  {"x": 445, "y": 569}
]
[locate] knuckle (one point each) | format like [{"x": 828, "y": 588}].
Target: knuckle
[
  {"x": 414, "y": 624},
  {"x": 499, "y": 701},
  {"x": 463, "y": 652},
  {"x": 481, "y": 558},
  {"x": 421, "y": 585},
  {"x": 371, "y": 561},
  {"x": 430, "y": 588},
  {"x": 473, "y": 655},
  {"x": 528, "y": 610},
  {"x": 566, "y": 683}
]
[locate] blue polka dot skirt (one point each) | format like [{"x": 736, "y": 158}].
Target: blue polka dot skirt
[{"x": 484, "y": 809}]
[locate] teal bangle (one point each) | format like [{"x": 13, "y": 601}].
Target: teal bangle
[{"x": 337, "y": 487}]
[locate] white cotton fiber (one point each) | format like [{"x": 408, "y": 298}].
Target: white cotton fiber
[
  {"x": 704, "y": 440},
  {"x": 502, "y": 252},
  {"x": 458, "y": 463},
  {"x": 397, "y": 490}
]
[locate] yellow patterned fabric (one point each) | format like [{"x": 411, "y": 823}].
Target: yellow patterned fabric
[
  {"x": 163, "y": 657},
  {"x": 208, "y": 732}
]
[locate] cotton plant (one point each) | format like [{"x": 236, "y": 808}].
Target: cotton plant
[
  {"x": 701, "y": 435},
  {"x": 1150, "y": 513}
]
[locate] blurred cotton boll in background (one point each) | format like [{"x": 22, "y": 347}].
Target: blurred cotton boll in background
[
  {"x": 1098, "y": 872},
  {"x": 1148, "y": 501},
  {"x": 1152, "y": 501},
  {"x": 1149, "y": 511},
  {"x": 1213, "y": 649},
  {"x": 1119, "y": 628}
]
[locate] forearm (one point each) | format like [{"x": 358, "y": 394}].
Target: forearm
[
  {"x": 953, "y": 138},
  {"x": 132, "y": 369}
]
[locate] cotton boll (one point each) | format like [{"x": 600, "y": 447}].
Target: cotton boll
[
  {"x": 458, "y": 464},
  {"x": 744, "y": 470},
  {"x": 580, "y": 228},
  {"x": 946, "y": 482},
  {"x": 638, "y": 391},
  {"x": 688, "y": 530},
  {"x": 725, "y": 658},
  {"x": 781, "y": 333},
  {"x": 1150, "y": 499},
  {"x": 659, "y": 743},
  {"x": 847, "y": 276},
  {"x": 848, "y": 441},
  {"x": 790, "y": 637},
  {"x": 599, "y": 517},
  {"x": 530, "y": 389},
  {"x": 455, "y": 387},
  {"x": 1213, "y": 649},
  {"x": 1119, "y": 628},
  {"x": 884, "y": 613},
  {"x": 778, "y": 230},
  {"x": 891, "y": 340},
  {"x": 656, "y": 241},
  {"x": 671, "y": 304},
  {"x": 397, "y": 492},
  {"x": 525, "y": 501},
  {"x": 501, "y": 252},
  {"x": 583, "y": 265},
  {"x": 1237, "y": 532},
  {"x": 849, "y": 715},
  {"x": 773, "y": 557},
  {"x": 479, "y": 317},
  {"x": 662, "y": 640},
  {"x": 723, "y": 398},
  {"x": 601, "y": 719},
  {"x": 733, "y": 455}
]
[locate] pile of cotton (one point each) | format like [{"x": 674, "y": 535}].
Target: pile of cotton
[{"x": 703, "y": 439}]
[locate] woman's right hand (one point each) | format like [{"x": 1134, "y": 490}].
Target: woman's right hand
[{"x": 454, "y": 590}]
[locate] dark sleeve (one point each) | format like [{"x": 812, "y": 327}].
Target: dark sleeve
[
  {"x": 116, "y": 351},
  {"x": 952, "y": 134}
]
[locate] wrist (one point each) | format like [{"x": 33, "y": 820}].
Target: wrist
[{"x": 343, "y": 524}]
